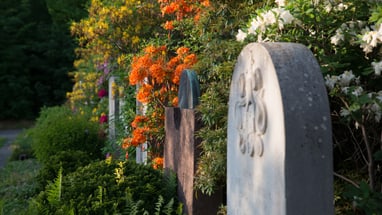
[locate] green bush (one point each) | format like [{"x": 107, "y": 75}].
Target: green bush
[
  {"x": 59, "y": 129},
  {"x": 65, "y": 139},
  {"x": 108, "y": 188},
  {"x": 68, "y": 160}
]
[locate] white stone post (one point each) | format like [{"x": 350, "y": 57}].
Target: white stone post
[{"x": 141, "y": 150}]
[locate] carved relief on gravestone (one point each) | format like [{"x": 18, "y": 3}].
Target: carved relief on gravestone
[{"x": 250, "y": 112}]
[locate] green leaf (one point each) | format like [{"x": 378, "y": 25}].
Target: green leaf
[
  {"x": 354, "y": 107},
  {"x": 367, "y": 71},
  {"x": 376, "y": 15},
  {"x": 364, "y": 187},
  {"x": 364, "y": 99}
]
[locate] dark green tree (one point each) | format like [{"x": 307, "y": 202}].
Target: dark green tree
[{"x": 36, "y": 54}]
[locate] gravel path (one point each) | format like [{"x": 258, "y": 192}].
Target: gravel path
[{"x": 6, "y": 151}]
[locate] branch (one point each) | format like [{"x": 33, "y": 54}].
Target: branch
[
  {"x": 370, "y": 164},
  {"x": 346, "y": 179}
]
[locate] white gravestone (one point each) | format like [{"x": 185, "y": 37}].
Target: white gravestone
[
  {"x": 279, "y": 134},
  {"x": 113, "y": 108}
]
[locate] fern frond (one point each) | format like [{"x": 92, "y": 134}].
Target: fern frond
[
  {"x": 54, "y": 190},
  {"x": 168, "y": 208},
  {"x": 136, "y": 207},
  {"x": 133, "y": 207},
  {"x": 158, "y": 205},
  {"x": 100, "y": 194},
  {"x": 170, "y": 180}
]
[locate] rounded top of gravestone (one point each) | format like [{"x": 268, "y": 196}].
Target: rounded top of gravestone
[{"x": 189, "y": 90}]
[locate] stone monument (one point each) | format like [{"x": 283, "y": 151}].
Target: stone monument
[
  {"x": 279, "y": 150},
  {"x": 114, "y": 104},
  {"x": 181, "y": 149},
  {"x": 113, "y": 108},
  {"x": 189, "y": 90}
]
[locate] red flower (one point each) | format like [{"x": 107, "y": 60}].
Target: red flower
[
  {"x": 103, "y": 118},
  {"x": 102, "y": 93}
]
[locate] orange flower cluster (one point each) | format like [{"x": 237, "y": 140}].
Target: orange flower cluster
[
  {"x": 169, "y": 25},
  {"x": 182, "y": 8},
  {"x": 157, "y": 77},
  {"x": 144, "y": 93},
  {"x": 139, "y": 132},
  {"x": 157, "y": 163},
  {"x": 138, "y": 121}
]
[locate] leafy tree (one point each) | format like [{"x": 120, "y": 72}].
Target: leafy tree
[{"x": 36, "y": 55}]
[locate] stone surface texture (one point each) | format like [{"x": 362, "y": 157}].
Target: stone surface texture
[
  {"x": 180, "y": 156},
  {"x": 279, "y": 134},
  {"x": 189, "y": 90}
]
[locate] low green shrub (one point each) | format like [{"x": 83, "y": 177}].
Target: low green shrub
[
  {"x": 68, "y": 160},
  {"x": 64, "y": 139},
  {"x": 59, "y": 129},
  {"x": 364, "y": 199},
  {"x": 108, "y": 188}
]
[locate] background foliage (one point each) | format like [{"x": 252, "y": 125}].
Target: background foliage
[{"x": 36, "y": 54}]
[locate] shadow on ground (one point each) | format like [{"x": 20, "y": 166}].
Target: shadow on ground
[{"x": 6, "y": 150}]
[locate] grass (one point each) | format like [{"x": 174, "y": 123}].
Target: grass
[
  {"x": 17, "y": 179},
  {"x": 17, "y": 186}
]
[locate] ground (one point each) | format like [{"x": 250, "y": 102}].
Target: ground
[{"x": 6, "y": 151}]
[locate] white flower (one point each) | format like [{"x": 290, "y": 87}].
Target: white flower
[
  {"x": 330, "y": 81},
  {"x": 342, "y": 7},
  {"x": 345, "y": 90},
  {"x": 366, "y": 48},
  {"x": 346, "y": 78},
  {"x": 335, "y": 40},
  {"x": 377, "y": 67},
  {"x": 312, "y": 32},
  {"x": 280, "y": 3},
  {"x": 286, "y": 16},
  {"x": 255, "y": 24},
  {"x": 344, "y": 112},
  {"x": 328, "y": 8},
  {"x": 357, "y": 91},
  {"x": 269, "y": 17},
  {"x": 379, "y": 96},
  {"x": 370, "y": 39},
  {"x": 376, "y": 109},
  {"x": 241, "y": 35}
]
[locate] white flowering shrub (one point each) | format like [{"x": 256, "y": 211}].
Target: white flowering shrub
[{"x": 346, "y": 38}]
